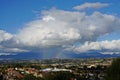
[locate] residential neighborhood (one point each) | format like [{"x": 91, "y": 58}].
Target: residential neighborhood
[{"x": 47, "y": 69}]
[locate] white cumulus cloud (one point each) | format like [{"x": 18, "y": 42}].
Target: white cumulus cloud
[
  {"x": 87, "y": 5},
  {"x": 103, "y": 46},
  {"x": 5, "y": 36},
  {"x": 60, "y": 28},
  {"x": 47, "y": 32}
]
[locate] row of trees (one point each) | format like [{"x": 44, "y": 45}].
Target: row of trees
[{"x": 50, "y": 76}]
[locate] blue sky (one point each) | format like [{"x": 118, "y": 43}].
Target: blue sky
[{"x": 18, "y": 18}]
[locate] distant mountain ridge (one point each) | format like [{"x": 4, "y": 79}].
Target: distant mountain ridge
[
  {"x": 20, "y": 56},
  {"x": 92, "y": 55},
  {"x": 29, "y": 56}
]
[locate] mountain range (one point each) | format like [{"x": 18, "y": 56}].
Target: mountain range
[{"x": 29, "y": 56}]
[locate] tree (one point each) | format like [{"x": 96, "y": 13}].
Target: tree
[
  {"x": 59, "y": 76},
  {"x": 31, "y": 77},
  {"x": 113, "y": 72}
]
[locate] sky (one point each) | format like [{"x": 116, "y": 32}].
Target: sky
[{"x": 54, "y": 27}]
